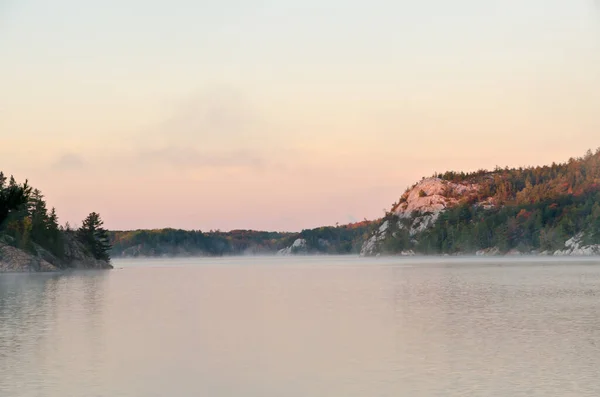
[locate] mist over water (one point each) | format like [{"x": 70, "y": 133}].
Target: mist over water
[{"x": 305, "y": 326}]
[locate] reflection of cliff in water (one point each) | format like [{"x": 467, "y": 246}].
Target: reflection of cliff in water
[{"x": 39, "y": 312}]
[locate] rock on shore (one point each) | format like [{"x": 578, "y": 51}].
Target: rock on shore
[
  {"x": 15, "y": 260},
  {"x": 75, "y": 257}
]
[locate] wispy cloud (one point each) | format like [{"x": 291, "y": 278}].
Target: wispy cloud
[
  {"x": 216, "y": 127},
  {"x": 212, "y": 117},
  {"x": 191, "y": 158},
  {"x": 68, "y": 162},
  {"x": 213, "y": 130}
]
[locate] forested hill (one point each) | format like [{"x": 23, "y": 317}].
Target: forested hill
[
  {"x": 346, "y": 239},
  {"x": 552, "y": 209}
]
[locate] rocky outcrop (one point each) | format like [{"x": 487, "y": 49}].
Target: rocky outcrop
[
  {"x": 299, "y": 246},
  {"x": 419, "y": 208},
  {"x": 575, "y": 247},
  {"x": 371, "y": 246},
  {"x": 432, "y": 195},
  {"x": 15, "y": 260},
  {"x": 75, "y": 257},
  {"x": 428, "y": 199},
  {"x": 488, "y": 252}
]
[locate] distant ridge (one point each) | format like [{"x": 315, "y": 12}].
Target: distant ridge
[{"x": 337, "y": 240}]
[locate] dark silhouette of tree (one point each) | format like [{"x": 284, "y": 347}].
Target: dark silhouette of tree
[
  {"x": 13, "y": 199},
  {"x": 26, "y": 223},
  {"x": 94, "y": 237}
]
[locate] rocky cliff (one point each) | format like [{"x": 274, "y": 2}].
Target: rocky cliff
[
  {"x": 418, "y": 209},
  {"x": 547, "y": 210},
  {"x": 15, "y": 260},
  {"x": 39, "y": 260},
  {"x": 78, "y": 257},
  {"x": 297, "y": 247}
]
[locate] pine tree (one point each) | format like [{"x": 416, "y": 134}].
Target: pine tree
[
  {"x": 55, "y": 235},
  {"x": 13, "y": 200},
  {"x": 39, "y": 217},
  {"x": 94, "y": 237}
]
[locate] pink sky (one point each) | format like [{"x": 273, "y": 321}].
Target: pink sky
[{"x": 271, "y": 118}]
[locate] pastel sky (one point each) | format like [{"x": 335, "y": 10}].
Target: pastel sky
[{"x": 281, "y": 114}]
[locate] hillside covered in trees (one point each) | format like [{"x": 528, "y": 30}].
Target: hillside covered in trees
[
  {"x": 31, "y": 238},
  {"x": 346, "y": 239},
  {"x": 552, "y": 209}
]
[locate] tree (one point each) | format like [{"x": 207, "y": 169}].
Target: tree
[
  {"x": 39, "y": 217},
  {"x": 13, "y": 199},
  {"x": 94, "y": 237},
  {"x": 55, "y": 236}
]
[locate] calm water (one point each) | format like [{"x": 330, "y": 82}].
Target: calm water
[{"x": 313, "y": 327}]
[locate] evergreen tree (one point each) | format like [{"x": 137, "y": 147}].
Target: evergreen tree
[
  {"x": 39, "y": 217},
  {"x": 13, "y": 200},
  {"x": 94, "y": 237},
  {"x": 56, "y": 242}
]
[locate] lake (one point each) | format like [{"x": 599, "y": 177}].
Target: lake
[{"x": 304, "y": 327}]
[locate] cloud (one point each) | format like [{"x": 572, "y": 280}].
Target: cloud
[
  {"x": 212, "y": 117},
  {"x": 191, "y": 158},
  {"x": 68, "y": 162},
  {"x": 215, "y": 127}
]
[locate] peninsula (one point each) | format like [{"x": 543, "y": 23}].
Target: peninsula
[{"x": 31, "y": 238}]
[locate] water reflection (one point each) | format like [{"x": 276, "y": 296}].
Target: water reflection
[
  {"x": 262, "y": 329},
  {"x": 500, "y": 330},
  {"x": 41, "y": 314}
]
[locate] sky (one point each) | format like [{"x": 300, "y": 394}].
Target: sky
[{"x": 284, "y": 115}]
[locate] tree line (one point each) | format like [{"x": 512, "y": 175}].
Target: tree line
[{"x": 344, "y": 239}]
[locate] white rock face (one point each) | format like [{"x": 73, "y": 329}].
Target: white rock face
[
  {"x": 370, "y": 246},
  {"x": 422, "y": 223},
  {"x": 433, "y": 195},
  {"x": 574, "y": 247},
  {"x": 299, "y": 244},
  {"x": 426, "y": 200},
  {"x": 488, "y": 252}
]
